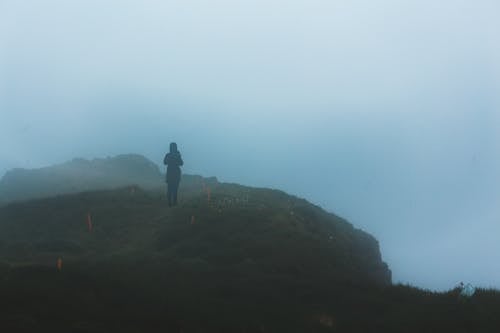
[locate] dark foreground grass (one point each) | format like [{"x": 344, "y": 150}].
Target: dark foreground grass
[{"x": 174, "y": 298}]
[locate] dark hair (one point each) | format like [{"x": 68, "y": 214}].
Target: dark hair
[{"x": 173, "y": 147}]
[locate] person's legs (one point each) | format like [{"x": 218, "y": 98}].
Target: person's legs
[
  {"x": 172, "y": 189},
  {"x": 174, "y": 193},
  {"x": 169, "y": 194}
]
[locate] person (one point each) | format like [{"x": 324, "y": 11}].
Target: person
[{"x": 173, "y": 161}]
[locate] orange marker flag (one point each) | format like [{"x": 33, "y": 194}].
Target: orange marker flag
[
  {"x": 89, "y": 222},
  {"x": 59, "y": 264}
]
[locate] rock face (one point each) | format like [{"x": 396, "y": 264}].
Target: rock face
[{"x": 79, "y": 175}]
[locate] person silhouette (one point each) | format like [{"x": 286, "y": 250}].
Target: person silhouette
[{"x": 173, "y": 161}]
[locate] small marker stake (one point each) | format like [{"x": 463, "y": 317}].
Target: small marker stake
[
  {"x": 192, "y": 219},
  {"x": 89, "y": 222}
]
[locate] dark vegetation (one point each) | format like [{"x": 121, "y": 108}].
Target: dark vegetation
[{"x": 227, "y": 259}]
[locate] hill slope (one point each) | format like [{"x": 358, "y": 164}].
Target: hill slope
[
  {"x": 226, "y": 246},
  {"x": 238, "y": 226},
  {"x": 270, "y": 224},
  {"x": 243, "y": 260}
]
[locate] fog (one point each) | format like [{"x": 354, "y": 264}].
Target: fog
[{"x": 385, "y": 112}]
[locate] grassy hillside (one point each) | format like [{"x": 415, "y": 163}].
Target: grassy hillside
[
  {"x": 237, "y": 260},
  {"x": 96, "y": 254}
]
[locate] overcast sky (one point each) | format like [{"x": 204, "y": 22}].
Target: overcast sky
[{"x": 386, "y": 112}]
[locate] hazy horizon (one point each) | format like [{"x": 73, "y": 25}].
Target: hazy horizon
[{"x": 386, "y": 113}]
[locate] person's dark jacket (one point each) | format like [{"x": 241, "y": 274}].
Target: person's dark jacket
[{"x": 173, "y": 160}]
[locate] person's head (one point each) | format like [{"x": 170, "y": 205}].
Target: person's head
[{"x": 173, "y": 147}]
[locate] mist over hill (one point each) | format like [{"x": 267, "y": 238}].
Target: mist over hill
[{"x": 79, "y": 175}]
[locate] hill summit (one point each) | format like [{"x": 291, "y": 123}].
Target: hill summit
[
  {"x": 268, "y": 221},
  {"x": 225, "y": 246}
]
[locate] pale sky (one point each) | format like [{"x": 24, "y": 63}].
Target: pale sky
[{"x": 385, "y": 112}]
